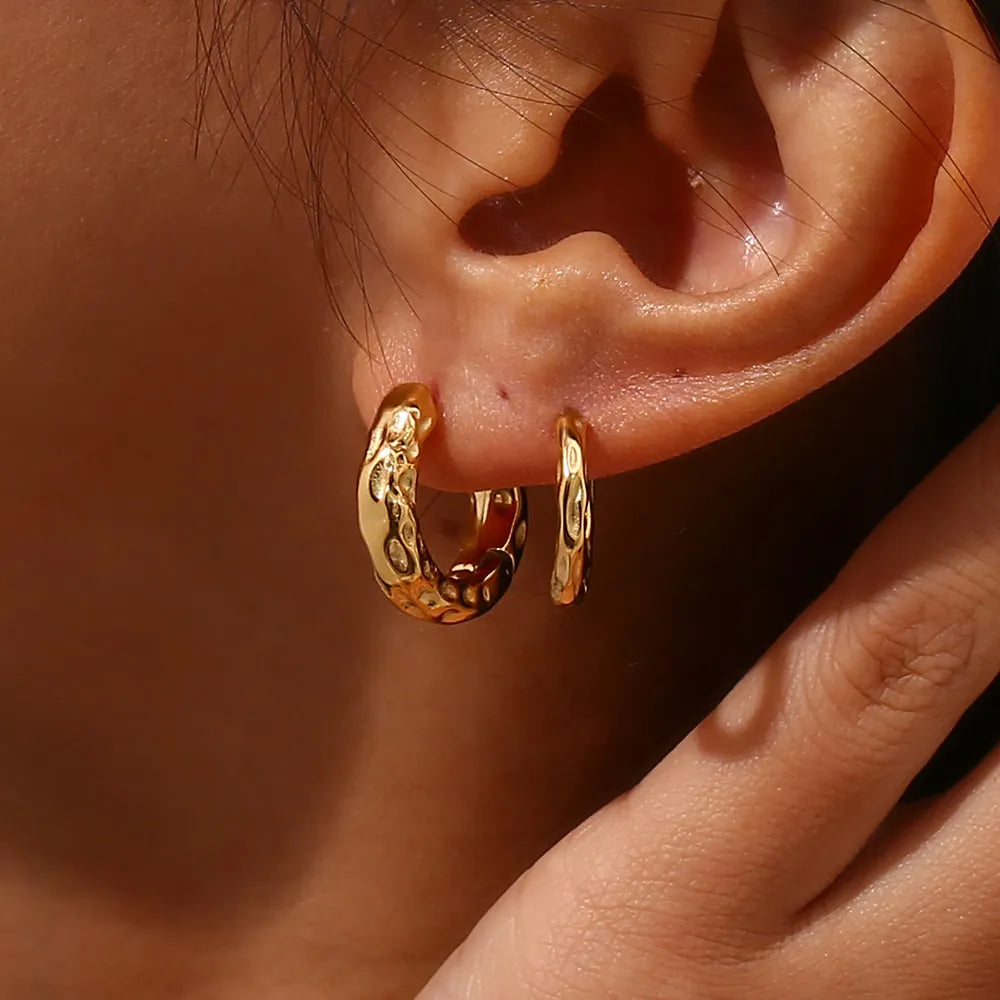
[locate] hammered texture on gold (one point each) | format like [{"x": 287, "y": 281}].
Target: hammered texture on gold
[
  {"x": 387, "y": 492},
  {"x": 576, "y": 494}
]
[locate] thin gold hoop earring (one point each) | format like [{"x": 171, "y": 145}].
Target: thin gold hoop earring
[
  {"x": 387, "y": 516},
  {"x": 576, "y": 495}
]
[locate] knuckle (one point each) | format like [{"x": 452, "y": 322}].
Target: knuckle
[{"x": 896, "y": 656}]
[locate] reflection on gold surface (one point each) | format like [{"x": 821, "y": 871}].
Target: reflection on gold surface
[{"x": 387, "y": 489}]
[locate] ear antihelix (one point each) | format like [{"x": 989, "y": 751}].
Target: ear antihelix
[
  {"x": 862, "y": 124},
  {"x": 894, "y": 95}
]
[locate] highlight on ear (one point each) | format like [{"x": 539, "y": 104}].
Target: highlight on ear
[{"x": 675, "y": 218}]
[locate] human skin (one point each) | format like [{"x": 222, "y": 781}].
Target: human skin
[{"x": 230, "y": 770}]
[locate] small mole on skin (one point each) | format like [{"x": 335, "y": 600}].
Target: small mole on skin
[{"x": 503, "y": 393}]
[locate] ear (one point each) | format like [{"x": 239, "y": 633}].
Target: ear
[{"x": 673, "y": 221}]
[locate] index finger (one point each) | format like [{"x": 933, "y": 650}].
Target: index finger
[{"x": 875, "y": 675}]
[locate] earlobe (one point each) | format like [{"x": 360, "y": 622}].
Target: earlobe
[{"x": 781, "y": 245}]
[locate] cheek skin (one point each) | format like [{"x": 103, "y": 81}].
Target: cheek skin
[
  {"x": 169, "y": 392},
  {"x": 133, "y": 274}
]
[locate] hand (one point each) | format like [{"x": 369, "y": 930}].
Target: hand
[{"x": 766, "y": 857}]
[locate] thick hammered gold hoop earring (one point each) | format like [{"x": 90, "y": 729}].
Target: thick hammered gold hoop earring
[
  {"x": 576, "y": 495},
  {"x": 387, "y": 492}
]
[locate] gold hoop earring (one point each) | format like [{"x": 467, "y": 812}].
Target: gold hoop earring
[
  {"x": 576, "y": 494},
  {"x": 387, "y": 516}
]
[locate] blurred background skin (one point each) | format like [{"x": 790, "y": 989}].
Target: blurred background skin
[{"x": 227, "y": 769}]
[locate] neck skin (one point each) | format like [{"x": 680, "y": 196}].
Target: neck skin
[{"x": 232, "y": 770}]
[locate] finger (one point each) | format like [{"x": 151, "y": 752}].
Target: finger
[
  {"x": 875, "y": 675},
  {"x": 921, "y": 908}
]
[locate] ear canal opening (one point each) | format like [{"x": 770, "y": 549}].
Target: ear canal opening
[{"x": 700, "y": 221}]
